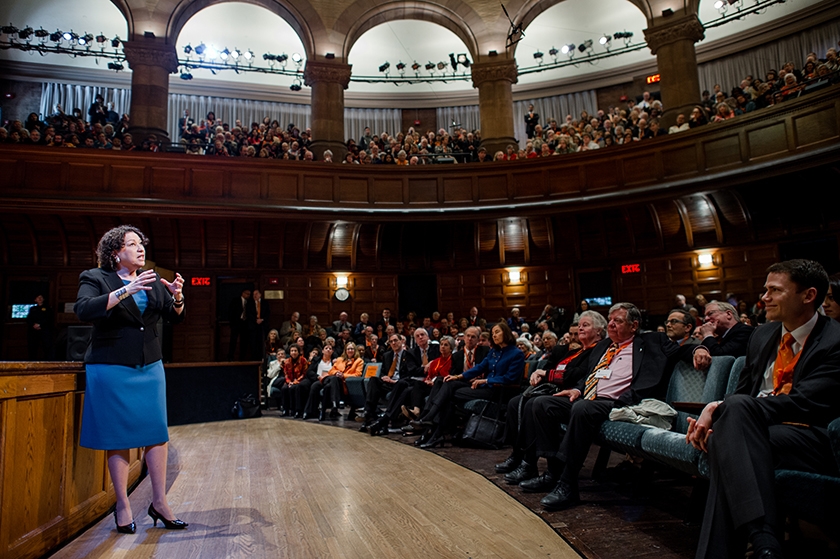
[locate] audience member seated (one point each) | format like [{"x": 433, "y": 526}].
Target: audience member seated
[{"x": 296, "y": 389}]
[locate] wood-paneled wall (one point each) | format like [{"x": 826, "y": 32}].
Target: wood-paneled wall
[{"x": 50, "y": 488}]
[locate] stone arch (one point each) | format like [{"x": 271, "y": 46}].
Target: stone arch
[
  {"x": 307, "y": 29},
  {"x": 125, "y": 10},
  {"x": 464, "y": 27}
]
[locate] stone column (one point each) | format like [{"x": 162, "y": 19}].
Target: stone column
[
  {"x": 328, "y": 81},
  {"x": 151, "y": 63},
  {"x": 673, "y": 44},
  {"x": 495, "y": 102}
]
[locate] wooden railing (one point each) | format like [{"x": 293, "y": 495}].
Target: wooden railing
[{"x": 800, "y": 133}]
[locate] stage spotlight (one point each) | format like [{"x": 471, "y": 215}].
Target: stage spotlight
[
  {"x": 385, "y": 67},
  {"x": 235, "y": 54},
  {"x": 553, "y": 52},
  {"x": 224, "y": 54},
  {"x": 605, "y": 40},
  {"x": 9, "y": 29},
  {"x": 248, "y": 54},
  {"x": 188, "y": 49},
  {"x": 538, "y": 56},
  {"x": 463, "y": 60},
  {"x": 401, "y": 66},
  {"x": 212, "y": 53},
  {"x": 296, "y": 86},
  {"x": 115, "y": 66},
  {"x": 41, "y": 33},
  {"x": 430, "y": 66},
  {"x": 719, "y": 4},
  {"x": 623, "y": 35},
  {"x": 185, "y": 75},
  {"x": 282, "y": 58},
  {"x": 566, "y": 49},
  {"x": 25, "y": 33},
  {"x": 86, "y": 39},
  {"x": 115, "y": 42},
  {"x": 296, "y": 58},
  {"x": 199, "y": 50},
  {"x": 68, "y": 35},
  {"x": 452, "y": 61},
  {"x": 415, "y": 66},
  {"x": 585, "y": 46},
  {"x": 441, "y": 65},
  {"x": 56, "y": 37},
  {"x": 101, "y": 38}
]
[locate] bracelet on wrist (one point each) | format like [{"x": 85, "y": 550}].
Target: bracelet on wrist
[{"x": 122, "y": 293}]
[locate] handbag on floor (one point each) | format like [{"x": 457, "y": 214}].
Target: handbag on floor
[
  {"x": 246, "y": 406},
  {"x": 484, "y": 432}
]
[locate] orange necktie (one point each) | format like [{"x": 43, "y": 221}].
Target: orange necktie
[
  {"x": 393, "y": 368},
  {"x": 469, "y": 364},
  {"x": 589, "y": 389},
  {"x": 783, "y": 368}
]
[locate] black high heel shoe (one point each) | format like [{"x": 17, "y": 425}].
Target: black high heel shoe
[
  {"x": 127, "y": 529},
  {"x": 168, "y": 524}
]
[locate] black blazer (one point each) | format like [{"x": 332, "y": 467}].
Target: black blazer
[
  {"x": 815, "y": 396},
  {"x": 654, "y": 356},
  {"x": 459, "y": 356},
  {"x": 408, "y": 367},
  {"x": 734, "y": 343},
  {"x": 122, "y": 336},
  {"x": 433, "y": 351}
]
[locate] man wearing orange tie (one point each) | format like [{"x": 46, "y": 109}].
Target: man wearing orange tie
[
  {"x": 623, "y": 370},
  {"x": 788, "y": 393},
  {"x": 397, "y": 363}
]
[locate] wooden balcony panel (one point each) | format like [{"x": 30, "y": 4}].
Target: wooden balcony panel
[{"x": 800, "y": 133}]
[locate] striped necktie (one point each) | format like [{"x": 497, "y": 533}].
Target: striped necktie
[{"x": 591, "y": 386}]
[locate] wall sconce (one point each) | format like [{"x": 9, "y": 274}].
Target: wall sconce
[
  {"x": 705, "y": 259},
  {"x": 341, "y": 282},
  {"x": 514, "y": 276}
]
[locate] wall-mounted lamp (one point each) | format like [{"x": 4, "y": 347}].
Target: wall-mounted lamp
[
  {"x": 705, "y": 259},
  {"x": 514, "y": 276},
  {"x": 341, "y": 282}
]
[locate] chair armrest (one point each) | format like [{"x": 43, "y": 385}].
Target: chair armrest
[{"x": 694, "y": 408}]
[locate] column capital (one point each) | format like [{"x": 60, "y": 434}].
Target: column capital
[
  {"x": 151, "y": 54},
  {"x": 502, "y": 70},
  {"x": 330, "y": 72},
  {"x": 687, "y": 28}
]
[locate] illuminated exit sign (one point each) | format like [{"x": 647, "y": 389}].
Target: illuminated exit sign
[
  {"x": 653, "y": 79},
  {"x": 631, "y": 268},
  {"x": 203, "y": 281}
]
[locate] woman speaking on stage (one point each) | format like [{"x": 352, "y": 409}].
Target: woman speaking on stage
[{"x": 125, "y": 395}]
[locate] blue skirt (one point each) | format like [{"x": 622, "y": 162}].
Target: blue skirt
[{"x": 125, "y": 407}]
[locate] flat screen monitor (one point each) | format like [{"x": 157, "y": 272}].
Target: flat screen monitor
[
  {"x": 21, "y": 311},
  {"x": 599, "y": 301}
]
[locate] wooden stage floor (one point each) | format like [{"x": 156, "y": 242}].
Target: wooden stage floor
[{"x": 273, "y": 488}]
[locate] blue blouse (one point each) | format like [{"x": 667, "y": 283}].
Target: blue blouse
[
  {"x": 501, "y": 366},
  {"x": 140, "y": 298}
]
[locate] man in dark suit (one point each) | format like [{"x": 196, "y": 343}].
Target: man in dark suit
[
  {"x": 473, "y": 319},
  {"x": 623, "y": 370},
  {"x": 396, "y": 364},
  {"x": 471, "y": 355},
  {"x": 424, "y": 351},
  {"x": 342, "y": 323},
  {"x": 788, "y": 393},
  {"x": 237, "y": 319},
  {"x": 257, "y": 314},
  {"x": 551, "y": 318},
  {"x": 531, "y": 121},
  {"x": 385, "y": 321},
  {"x": 732, "y": 335}
]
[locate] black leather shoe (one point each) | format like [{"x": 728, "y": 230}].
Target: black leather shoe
[
  {"x": 540, "y": 484},
  {"x": 127, "y": 529},
  {"x": 562, "y": 497},
  {"x": 305, "y": 416},
  {"x": 298, "y": 415},
  {"x": 508, "y": 465},
  {"x": 364, "y": 427},
  {"x": 433, "y": 442},
  {"x": 352, "y": 416},
  {"x": 524, "y": 472},
  {"x": 334, "y": 414},
  {"x": 379, "y": 428},
  {"x": 420, "y": 423}
]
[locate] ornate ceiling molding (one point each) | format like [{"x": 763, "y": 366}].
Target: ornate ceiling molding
[{"x": 687, "y": 28}]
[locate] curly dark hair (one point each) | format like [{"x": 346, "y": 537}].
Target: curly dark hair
[{"x": 111, "y": 243}]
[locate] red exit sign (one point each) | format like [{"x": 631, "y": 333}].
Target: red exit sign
[
  {"x": 653, "y": 79},
  {"x": 631, "y": 268},
  {"x": 205, "y": 281}
]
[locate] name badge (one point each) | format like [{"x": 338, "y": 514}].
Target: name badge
[
  {"x": 603, "y": 373},
  {"x": 560, "y": 368}
]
